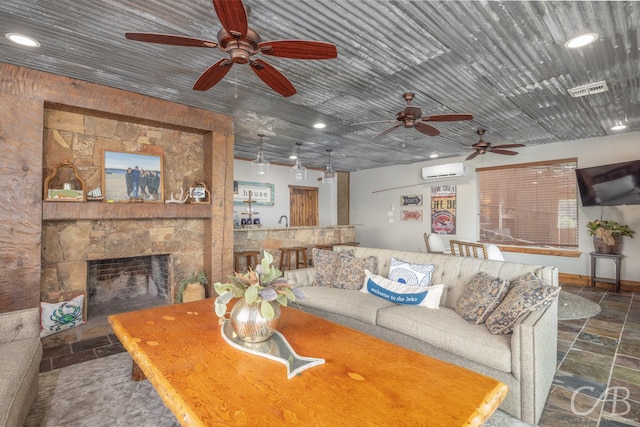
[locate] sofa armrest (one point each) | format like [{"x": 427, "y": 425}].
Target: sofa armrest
[
  {"x": 18, "y": 325},
  {"x": 300, "y": 277},
  {"x": 534, "y": 358}
]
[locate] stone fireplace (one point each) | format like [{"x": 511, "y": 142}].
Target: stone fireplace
[{"x": 127, "y": 284}]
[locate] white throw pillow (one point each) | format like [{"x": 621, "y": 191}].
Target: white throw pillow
[
  {"x": 410, "y": 274},
  {"x": 60, "y": 316},
  {"x": 399, "y": 293},
  {"x": 494, "y": 253}
]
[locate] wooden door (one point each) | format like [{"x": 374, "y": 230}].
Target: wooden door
[{"x": 303, "y": 206}]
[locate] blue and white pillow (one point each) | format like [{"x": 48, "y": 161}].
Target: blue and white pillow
[
  {"x": 400, "y": 293},
  {"x": 59, "y": 316},
  {"x": 410, "y": 274}
]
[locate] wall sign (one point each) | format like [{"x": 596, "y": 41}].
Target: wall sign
[
  {"x": 262, "y": 194},
  {"x": 443, "y": 209},
  {"x": 412, "y": 200},
  {"x": 411, "y": 216}
]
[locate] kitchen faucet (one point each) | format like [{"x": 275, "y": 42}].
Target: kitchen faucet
[{"x": 286, "y": 221}]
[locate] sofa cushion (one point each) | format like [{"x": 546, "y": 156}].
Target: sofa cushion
[
  {"x": 19, "y": 373},
  {"x": 326, "y": 265},
  {"x": 409, "y": 273},
  {"x": 347, "y": 302},
  {"x": 350, "y": 274},
  {"x": 399, "y": 293},
  {"x": 481, "y": 295},
  {"x": 59, "y": 316},
  {"x": 448, "y": 331},
  {"x": 527, "y": 293}
]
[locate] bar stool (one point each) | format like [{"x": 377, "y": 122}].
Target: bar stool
[
  {"x": 250, "y": 259},
  {"x": 287, "y": 258}
]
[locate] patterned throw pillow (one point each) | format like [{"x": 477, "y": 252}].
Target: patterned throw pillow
[
  {"x": 326, "y": 264},
  {"x": 527, "y": 293},
  {"x": 481, "y": 295},
  {"x": 351, "y": 271},
  {"x": 60, "y": 316},
  {"x": 410, "y": 274},
  {"x": 399, "y": 293}
]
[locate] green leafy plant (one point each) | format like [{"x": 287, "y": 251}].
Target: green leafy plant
[
  {"x": 607, "y": 230},
  {"x": 262, "y": 285},
  {"x": 197, "y": 277}
]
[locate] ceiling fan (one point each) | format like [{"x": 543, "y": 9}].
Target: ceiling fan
[
  {"x": 241, "y": 43},
  {"x": 410, "y": 117},
  {"x": 482, "y": 147}
]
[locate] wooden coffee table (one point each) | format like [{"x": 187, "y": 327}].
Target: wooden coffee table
[{"x": 364, "y": 380}]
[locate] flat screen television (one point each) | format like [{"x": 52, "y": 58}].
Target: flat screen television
[{"x": 609, "y": 185}]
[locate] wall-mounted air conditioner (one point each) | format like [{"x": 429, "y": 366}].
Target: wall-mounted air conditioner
[{"x": 449, "y": 170}]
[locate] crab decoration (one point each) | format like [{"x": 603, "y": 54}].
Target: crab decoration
[{"x": 66, "y": 314}]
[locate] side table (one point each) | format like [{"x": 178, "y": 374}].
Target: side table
[{"x": 617, "y": 260}]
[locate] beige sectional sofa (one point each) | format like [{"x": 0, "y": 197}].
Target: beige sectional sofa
[
  {"x": 525, "y": 360},
  {"x": 20, "y": 356}
]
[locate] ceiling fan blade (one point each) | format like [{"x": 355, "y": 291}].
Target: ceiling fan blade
[
  {"x": 273, "y": 78},
  {"x": 472, "y": 155},
  {"x": 170, "y": 39},
  {"x": 508, "y": 146},
  {"x": 233, "y": 17},
  {"x": 499, "y": 151},
  {"x": 213, "y": 75},
  {"x": 371, "y": 123},
  {"x": 299, "y": 49},
  {"x": 448, "y": 118},
  {"x": 386, "y": 131},
  {"x": 425, "y": 128}
]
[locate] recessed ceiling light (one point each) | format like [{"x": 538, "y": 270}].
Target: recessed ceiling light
[
  {"x": 619, "y": 126},
  {"x": 319, "y": 126},
  {"x": 22, "y": 40},
  {"x": 581, "y": 40},
  {"x": 293, "y": 157},
  {"x": 433, "y": 156}
]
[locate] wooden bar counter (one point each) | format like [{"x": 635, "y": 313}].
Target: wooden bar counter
[{"x": 364, "y": 381}]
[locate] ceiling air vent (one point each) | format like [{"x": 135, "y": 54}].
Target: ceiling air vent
[{"x": 588, "y": 89}]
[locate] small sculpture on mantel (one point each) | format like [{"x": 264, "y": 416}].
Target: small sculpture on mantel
[{"x": 199, "y": 194}]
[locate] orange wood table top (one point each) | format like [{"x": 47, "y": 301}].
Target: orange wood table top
[{"x": 364, "y": 380}]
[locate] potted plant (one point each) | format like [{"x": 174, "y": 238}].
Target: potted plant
[
  {"x": 193, "y": 287},
  {"x": 607, "y": 235},
  {"x": 261, "y": 292}
]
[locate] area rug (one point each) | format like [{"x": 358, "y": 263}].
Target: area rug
[
  {"x": 100, "y": 393},
  {"x": 571, "y": 306}
]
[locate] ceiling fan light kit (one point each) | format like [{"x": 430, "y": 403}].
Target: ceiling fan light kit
[
  {"x": 260, "y": 166},
  {"x": 241, "y": 43},
  {"x": 329, "y": 175},
  {"x": 298, "y": 172}
]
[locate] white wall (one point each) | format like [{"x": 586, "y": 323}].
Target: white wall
[
  {"x": 279, "y": 176},
  {"x": 371, "y": 209}
]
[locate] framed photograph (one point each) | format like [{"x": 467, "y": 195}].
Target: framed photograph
[
  {"x": 132, "y": 177},
  {"x": 262, "y": 194}
]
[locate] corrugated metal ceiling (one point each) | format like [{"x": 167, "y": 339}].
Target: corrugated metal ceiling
[{"x": 502, "y": 61}]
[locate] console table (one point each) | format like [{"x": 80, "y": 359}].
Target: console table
[{"x": 617, "y": 260}]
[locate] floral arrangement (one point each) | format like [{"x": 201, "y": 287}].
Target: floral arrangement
[
  {"x": 607, "y": 230},
  {"x": 262, "y": 285}
]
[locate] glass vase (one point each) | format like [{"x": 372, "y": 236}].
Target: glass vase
[{"x": 249, "y": 323}]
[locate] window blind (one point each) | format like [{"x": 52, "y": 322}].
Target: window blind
[{"x": 529, "y": 204}]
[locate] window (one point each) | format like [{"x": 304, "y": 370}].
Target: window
[{"x": 530, "y": 204}]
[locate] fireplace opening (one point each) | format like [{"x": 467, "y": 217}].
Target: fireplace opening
[{"x": 127, "y": 284}]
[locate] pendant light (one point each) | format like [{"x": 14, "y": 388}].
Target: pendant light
[
  {"x": 260, "y": 166},
  {"x": 329, "y": 175},
  {"x": 298, "y": 172}
]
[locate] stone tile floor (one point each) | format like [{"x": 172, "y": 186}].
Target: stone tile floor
[{"x": 597, "y": 382}]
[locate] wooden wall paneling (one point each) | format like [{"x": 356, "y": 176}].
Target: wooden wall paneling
[{"x": 20, "y": 202}]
